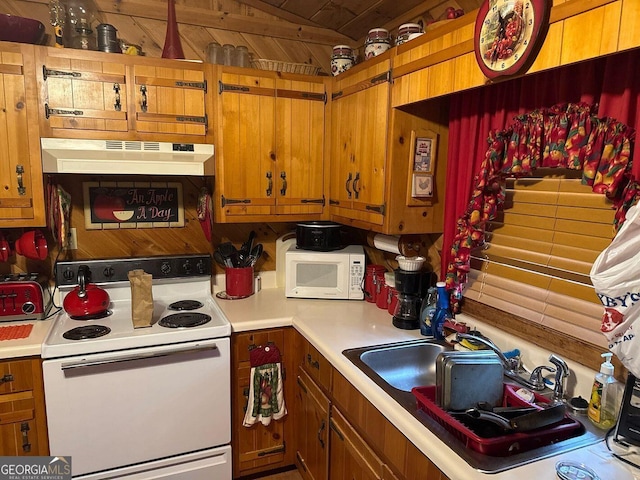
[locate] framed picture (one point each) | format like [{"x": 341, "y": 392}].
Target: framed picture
[
  {"x": 423, "y": 152},
  {"x": 112, "y": 205},
  {"x": 422, "y": 185},
  {"x": 422, "y": 166}
]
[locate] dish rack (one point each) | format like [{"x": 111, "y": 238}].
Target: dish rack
[
  {"x": 503, "y": 445},
  {"x": 288, "y": 67}
]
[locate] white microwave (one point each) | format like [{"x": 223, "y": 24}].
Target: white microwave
[{"x": 337, "y": 274}]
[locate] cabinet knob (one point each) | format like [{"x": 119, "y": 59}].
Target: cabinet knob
[{"x": 6, "y": 379}]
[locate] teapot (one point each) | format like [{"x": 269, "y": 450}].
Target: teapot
[{"x": 87, "y": 299}]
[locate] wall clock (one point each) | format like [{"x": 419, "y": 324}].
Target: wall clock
[{"x": 508, "y": 33}]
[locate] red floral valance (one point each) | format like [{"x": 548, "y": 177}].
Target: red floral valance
[{"x": 563, "y": 136}]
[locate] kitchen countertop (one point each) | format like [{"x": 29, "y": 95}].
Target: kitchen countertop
[
  {"x": 333, "y": 326},
  {"x": 25, "y": 347}
]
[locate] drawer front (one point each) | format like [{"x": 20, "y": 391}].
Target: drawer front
[
  {"x": 243, "y": 342},
  {"x": 16, "y": 376}
]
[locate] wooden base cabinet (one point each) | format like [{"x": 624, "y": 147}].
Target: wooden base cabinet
[
  {"x": 362, "y": 443},
  {"x": 23, "y": 426},
  {"x": 260, "y": 448},
  {"x": 350, "y": 456},
  {"x": 21, "y": 186},
  {"x": 312, "y": 428}
]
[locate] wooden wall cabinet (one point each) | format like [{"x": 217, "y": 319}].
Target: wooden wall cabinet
[
  {"x": 21, "y": 189},
  {"x": 259, "y": 448},
  {"x": 372, "y": 147},
  {"x": 269, "y": 147},
  {"x": 97, "y": 95},
  {"x": 23, "y": 425}
]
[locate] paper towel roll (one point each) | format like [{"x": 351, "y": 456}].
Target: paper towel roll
[{"x": 387, "y": 243}]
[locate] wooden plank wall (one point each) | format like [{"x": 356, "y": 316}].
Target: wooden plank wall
[
  {"x": 144, "y": 241},
  {"x": 143, "y": 22}
]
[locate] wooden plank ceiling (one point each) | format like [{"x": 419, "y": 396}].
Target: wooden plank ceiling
[{"x": 300, "y": 31}]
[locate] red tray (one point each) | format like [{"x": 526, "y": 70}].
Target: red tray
[{"x": 503, "y": 445}]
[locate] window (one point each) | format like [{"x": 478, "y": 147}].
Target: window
[{"x": 538, "y": 252}]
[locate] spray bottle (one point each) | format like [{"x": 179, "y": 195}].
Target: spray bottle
[{"x": 602, "y": 404}]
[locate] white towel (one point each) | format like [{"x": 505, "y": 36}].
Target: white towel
[{"x": 266, "y": 393}]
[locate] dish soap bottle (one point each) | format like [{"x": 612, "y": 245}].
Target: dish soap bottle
[
  {"x": 442, "y": 313},
  {"x": 602, "y": 404},
  {"x": 427, "y": 311}
]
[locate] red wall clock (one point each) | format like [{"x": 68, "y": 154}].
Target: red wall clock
[{"x": 508, "y": 33}]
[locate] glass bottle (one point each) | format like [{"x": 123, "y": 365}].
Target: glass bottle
[
  {"x": 227, "y": 54},
  {"x": 427, "y": 311},
  {"x": 80, "y": 17},
  {"x": 442, "y": 313},
  {"x": 241, "y": 56},
  {"x": 214, "y": 53},
  {"x": 84, "y": 38}
]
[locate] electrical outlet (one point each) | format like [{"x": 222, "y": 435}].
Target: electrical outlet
[{"x": 73, "y": 239}]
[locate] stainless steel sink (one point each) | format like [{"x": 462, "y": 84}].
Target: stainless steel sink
[
  {"x": 398, "y": 367},
  {"x": 405, "y": 366}
]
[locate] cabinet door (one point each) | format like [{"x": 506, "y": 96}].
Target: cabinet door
[
  {"x": 21, "y": 190},
  {"x": 246, "y": 156},
  {"x": 360, "y": 113},
  {"x": 299, "y": 147},
  {"x": 18, "y": 431},
  {"x": 258, "y": 448},
  {"x": 81, "y": 95},
  {"x": 344, "y": 138},
  {"x": 170, "y": 100},
  {"x": 312, "y": 426},
  {"x": 22, "y": 416},
  {"x": 372, "y": 107},
  {"x": 350, "y": 457}
]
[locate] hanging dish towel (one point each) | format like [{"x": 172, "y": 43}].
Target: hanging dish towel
[{"x": 266, "y": 395}]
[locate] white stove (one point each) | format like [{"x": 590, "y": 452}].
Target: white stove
[
  {"x": 136, "y": 378},
  {"x": 123, "y": 335}
]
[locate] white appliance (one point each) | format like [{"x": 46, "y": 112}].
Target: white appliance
[
  {"x": 337, "y": 274},
  {"x": 115, "y": 157},
  {"x": 142, "y": 403}
]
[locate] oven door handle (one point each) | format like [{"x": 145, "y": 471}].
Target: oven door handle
[{"x": 137, "y": 356}]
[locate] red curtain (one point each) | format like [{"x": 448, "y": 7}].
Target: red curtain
[{"x": 609, "y": 81}]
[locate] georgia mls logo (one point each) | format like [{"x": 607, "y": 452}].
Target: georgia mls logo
[
  {"x": 611, "y": 319},
  {"x": 35, "y": 468}
]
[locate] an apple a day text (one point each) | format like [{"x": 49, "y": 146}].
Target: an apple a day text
[{"x": 150, "y": 203}]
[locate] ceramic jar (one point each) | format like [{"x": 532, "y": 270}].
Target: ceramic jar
[
  {"x": 405, "y": 32},
  {"x": 377, "y": 42},
  {"x": 341, "y": 59}
]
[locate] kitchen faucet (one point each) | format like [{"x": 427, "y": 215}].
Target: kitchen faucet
[
  {"x": 562, "y": 372},
  {"x": 511, "y": 365}
]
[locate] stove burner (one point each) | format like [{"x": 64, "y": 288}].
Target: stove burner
[
  {"x": 186, "y": 305},
  {"x": 184, "y": 320},
  {"x": 86, "y": 332},
  {"x": 95, "y": 316}
]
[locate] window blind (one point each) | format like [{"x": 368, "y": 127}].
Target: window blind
[{"x": 538, "y": 252}]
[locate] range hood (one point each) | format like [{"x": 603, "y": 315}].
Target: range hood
[{"x": 113, "y": 157}]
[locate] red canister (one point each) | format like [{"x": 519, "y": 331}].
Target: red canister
[
  {"x": 382, "y": 300},
  {"x": 374, "y": 274}
]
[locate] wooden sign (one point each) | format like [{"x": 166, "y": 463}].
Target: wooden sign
[{"x": 109, "y": 205}]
